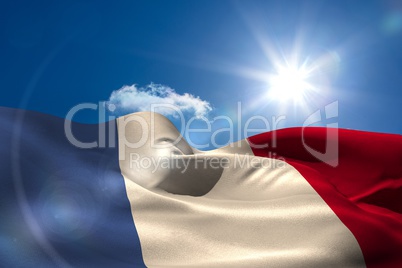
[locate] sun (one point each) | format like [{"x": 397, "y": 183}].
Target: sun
[{"x": 289, "y": 84}]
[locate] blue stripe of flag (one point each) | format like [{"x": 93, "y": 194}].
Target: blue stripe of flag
[{"x": 59, "y": 204}]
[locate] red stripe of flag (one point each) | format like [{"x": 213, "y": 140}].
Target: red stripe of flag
[{"x": 364, "y": 189}]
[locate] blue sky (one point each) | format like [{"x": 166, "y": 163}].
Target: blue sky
[{"x": 57, "y": 54}]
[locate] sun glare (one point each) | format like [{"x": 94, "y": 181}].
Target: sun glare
[{"x": 289, "y": 84}]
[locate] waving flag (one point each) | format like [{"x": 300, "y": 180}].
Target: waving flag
[{"x": 135, "y": 194}]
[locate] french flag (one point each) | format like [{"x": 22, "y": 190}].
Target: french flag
[{"x": 132, "y": 193}]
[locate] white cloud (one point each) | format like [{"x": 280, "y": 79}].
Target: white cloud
[{"x": 129, "y": 99}]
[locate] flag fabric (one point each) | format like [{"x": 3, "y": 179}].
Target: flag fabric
[{"x": 298, "y": 197}]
